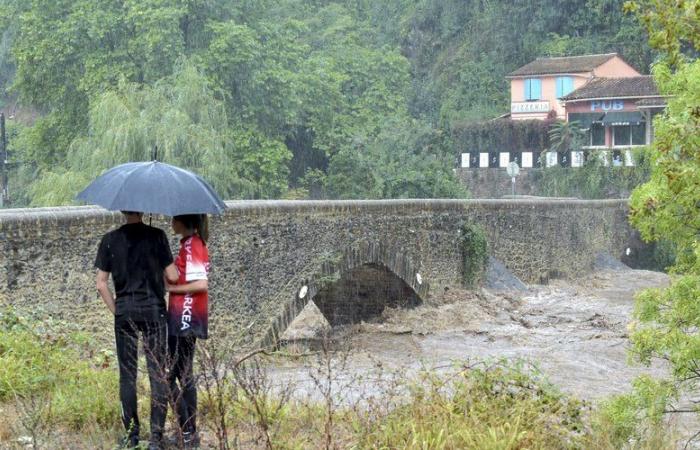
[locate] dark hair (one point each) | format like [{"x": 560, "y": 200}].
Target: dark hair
[
  {"x": 197, "y": 222},
  {"x": 129, "y": 213}
]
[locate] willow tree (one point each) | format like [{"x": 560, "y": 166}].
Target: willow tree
[{"x": 183, "y": 118}]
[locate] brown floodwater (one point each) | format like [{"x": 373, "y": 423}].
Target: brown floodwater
[{"x": 574, "y": 332}]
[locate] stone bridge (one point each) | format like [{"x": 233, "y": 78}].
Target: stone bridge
[{"x": 269, "y": 258}]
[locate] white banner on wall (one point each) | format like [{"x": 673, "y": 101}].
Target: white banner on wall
[
  {"x": 465, "y": 160},
  {"x": 577, "y": 159},
  {"x": 503, "y": 159},
  {"x": 483, "y": 159}
]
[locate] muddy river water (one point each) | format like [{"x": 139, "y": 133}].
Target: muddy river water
[{"x": 574, "y": 332}]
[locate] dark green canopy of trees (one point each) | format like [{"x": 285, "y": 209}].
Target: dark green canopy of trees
[{"x": 276, "y": 98}]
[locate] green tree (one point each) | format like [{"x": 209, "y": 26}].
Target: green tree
[
  {"x": 314, "y": 78},
  {"x": 301, "y": 73},
  {"x": 460, "y": 52},
  {"x": 565, "y": 136},
  {"x": 68, "y": 52},
  {"x": 408, "y": 159},
  {"x": 667, "y": 320},
  {"x": 183, "y": 118}
]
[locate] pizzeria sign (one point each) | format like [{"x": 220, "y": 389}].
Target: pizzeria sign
[{"x": 529, "y": 107}]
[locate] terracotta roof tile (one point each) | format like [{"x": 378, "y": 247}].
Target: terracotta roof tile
[
  {"x": 641, "y": 86},
  {"x": 563, "y": 64}
]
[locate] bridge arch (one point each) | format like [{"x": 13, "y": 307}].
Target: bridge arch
[{"x": 356, "y": 268}]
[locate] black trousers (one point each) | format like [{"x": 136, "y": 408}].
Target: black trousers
[
  {"x": 154, "y": 334},
  {"x": 183, "y": 386}
]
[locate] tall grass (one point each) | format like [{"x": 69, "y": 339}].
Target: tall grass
[{"x": 58, "y": 391}]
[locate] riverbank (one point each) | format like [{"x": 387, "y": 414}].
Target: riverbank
[{"x": 470, "y": 369}]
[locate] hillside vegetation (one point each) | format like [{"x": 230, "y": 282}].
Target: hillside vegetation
[{"x": 271, "y": 99}]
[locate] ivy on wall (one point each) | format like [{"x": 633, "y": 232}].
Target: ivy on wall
[
  {"x": 501, "y": 135},
  {"x": 474, "y": 248}
]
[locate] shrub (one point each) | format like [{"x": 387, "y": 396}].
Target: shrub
[
  {"x": 636, "y": 416},
  {"x": 502, "y": 406},
  {"x": 80, "y": 391},
  {"x": 594, "y": 180},
  {"x": 501, "y": 135},
  {"x": 474, "y": 253}
]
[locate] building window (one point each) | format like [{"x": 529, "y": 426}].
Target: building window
[
  {"x": 527, "y": 159},
  {"x": 626, "y": 135},
  {"x": 639, "y": 134},
  {"x": 597, "y": 135},
  {"x": 621, "y": 135},
  {"x": 533, "y": 89},
  {"x": 565, "y": 85}
]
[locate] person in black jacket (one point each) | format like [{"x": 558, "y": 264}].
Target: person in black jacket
[{"x": 139, "y": 259}]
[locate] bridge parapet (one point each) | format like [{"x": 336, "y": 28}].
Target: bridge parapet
[{"x": 263, "y": 252}]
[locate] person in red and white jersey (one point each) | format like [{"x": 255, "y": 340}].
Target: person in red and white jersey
[{"x": 188, "y": 317}]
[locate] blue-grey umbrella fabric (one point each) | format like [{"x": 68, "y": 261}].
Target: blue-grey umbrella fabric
[{"x": 153, "y": 187}]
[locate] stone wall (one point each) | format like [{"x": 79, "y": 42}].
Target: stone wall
[
  {"x": 264, "y": 254},
  {"x": 495, "y": 183}
]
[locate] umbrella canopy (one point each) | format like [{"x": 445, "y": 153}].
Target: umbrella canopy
[{"x": 153, "y": 187}]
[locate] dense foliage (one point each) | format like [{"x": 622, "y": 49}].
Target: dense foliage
[
  {"x": 311, "y": 97},
  {"x": 501, "y": 135},
  {"x": 666, "y": 207},
  {"x": 474, "y": 248},
  {"x": 596, "y": 179},
  {"x": 53, "y": 375},
  {"x": 461, "y": 51},
  {"x": 60, "y": 391}
]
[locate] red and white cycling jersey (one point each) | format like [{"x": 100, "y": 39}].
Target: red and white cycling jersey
[{"x": 188, "y": 314}]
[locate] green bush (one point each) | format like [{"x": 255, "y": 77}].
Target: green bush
[
  {"x": 474, "y": 250},
  {"x": 501, "y": 135},
  {"x": 80, "y": 390},
  {"x": 636, "y": 416},
  {"x": 594, "y": 180},
  {"x": 499, "y": 405},
  {"x": 503, "y": 406}
]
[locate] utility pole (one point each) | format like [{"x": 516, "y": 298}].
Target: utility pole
[{"x": 3, "y": 162}]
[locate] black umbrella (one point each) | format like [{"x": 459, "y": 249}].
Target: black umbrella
[{"x": 153, "y": 187}]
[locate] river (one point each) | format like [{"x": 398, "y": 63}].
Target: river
[{"x": 573, "y": 331}]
